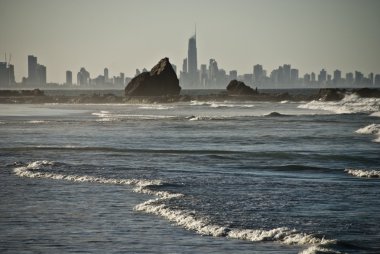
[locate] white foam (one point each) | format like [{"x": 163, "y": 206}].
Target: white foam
[
  {"x": 199, "y": 103},
  {"x": 373, "y": 129},
  {"x": 365, "y": 173},
  {"x": 101, "y": 113},
  {"x": 319, "y": 250},
  {"x": 36, "y": 121},
  {"x": 369, "y": 129},
  {"x": 375, "y": 114},
  {"x": 349, "y": 104},
  {"x": 284, "y": 102},
  {"x": 157, "y": 107},
  {"x": 226, "y": 105},
  {"x": 184, "y": 218},
  {"x": 31, "y": 171}
]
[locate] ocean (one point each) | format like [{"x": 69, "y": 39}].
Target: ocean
[{"x": 191, "y": 177}]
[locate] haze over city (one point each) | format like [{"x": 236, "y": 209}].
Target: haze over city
[{"x": 125, "y": 35}]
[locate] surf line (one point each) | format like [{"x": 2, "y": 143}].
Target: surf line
[{"x": 186, "y": 219}]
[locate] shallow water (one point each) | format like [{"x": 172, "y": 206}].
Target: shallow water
[{"x": 207, "y": 177}]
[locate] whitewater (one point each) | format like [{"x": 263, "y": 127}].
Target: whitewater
[{"x": 199, "y": 176}]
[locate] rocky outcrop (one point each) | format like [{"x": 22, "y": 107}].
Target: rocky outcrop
[
  {"x": 160, "y": 81},
  {"x": 331, "y": 94},
  {"x": 239, "y": 88},
  {"x": 367, "y": 92}
]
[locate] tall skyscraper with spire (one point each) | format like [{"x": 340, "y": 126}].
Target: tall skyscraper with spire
[{"x": 192, "y": 64}]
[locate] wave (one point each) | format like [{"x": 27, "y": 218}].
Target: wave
[
  {"x": 350, "y": 104},
  {"x": 189, "y": 220},
  {"x": 372, "y": 129},
  {"x": 158, "y": 107},
  {"x": 108, "y": 116},
  {"x": 363, "y": 173},
  {"x": 184, "y": 218},
  {"x": 37, "y": 121},
  {"x": 214, "y": 104}
]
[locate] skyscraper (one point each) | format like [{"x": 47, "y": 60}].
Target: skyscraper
[
  {"x": 69, "y": 78},
  {"x": 192, "y": 64},
  {"x": 32, "y": 69},
  {"x": 106, "y": 77}
]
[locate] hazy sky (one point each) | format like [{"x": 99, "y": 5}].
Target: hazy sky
[{"x": 127, "y": 34}]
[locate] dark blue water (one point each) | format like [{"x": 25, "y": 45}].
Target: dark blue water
[{"x": 200, "y": 177}]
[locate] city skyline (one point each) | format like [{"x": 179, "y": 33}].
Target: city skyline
[{"x": 239, "y": 34}]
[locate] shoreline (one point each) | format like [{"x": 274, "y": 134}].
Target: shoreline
[{"x": 38, "y": 96}]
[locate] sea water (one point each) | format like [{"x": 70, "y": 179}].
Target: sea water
[{"x": 191, "y": 177}]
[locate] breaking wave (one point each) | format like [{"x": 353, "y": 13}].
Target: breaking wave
[
  {"x": 348, "y": 105},
  {"x": 182, "y": 217},
  {"x": 375, "y": 114},
  {"x": 372, "y": 129},
  {"x": 105, "y": 116},
  {"x": 365, "y": 173},
  {"x": 225, "y": 104},
  {"x": 158, "y": 107}
]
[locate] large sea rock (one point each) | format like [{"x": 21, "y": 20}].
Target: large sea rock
[
  {"x": 160, "y": 81},
  {"x": 239, "y": 88}
]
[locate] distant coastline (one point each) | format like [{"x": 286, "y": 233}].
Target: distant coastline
[{"x": 38, "y": 96}]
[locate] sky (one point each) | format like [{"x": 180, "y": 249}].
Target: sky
[{"x": 123, "y": 35}]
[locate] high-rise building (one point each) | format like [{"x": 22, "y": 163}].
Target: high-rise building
[
  {"x": 358, "y": 77},
  {"x": 7, "y": 74},
  {"x": 312, "y": 76},
  {"x": 337, "y": 76},
  {"x": 36, "y": 72},
  {"x": 41, "y": 74},
  {"x": 184, "y": 65},
  {"x": 294, "y": 76},
  {"x": 106, "y": 77},
  {"x": 192, "y": 63},
  {"x": 286, "y": 73},
  {"x": 233, "y": 74},
  {"x": 69, "y": 78},
  {"x": 306, "y": 78},
  {"x": 370, "y": 78},
  {"x": 349, "y": 78},
  {"x": 377, "y": 80},
  {"x": 322, "y": 77},
  {"x": 32, "y": 69},
  {"x": 83, "y": 77},
  {"x": 258, "y": 73}
]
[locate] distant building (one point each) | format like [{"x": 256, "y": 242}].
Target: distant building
[
  {"x": 294, "y": 73},
  {"x": 32, "y": 69},
  {"x": 36, "y": 72},
  {"x": 312, "y": 76},
  {"x": 192, "y": 62},
  {"x": 358, "y": 77},
  {"x": 349, "y": 78},
  {"x": 258, "y": 74},
  {"x": 233, "y": 74},
  {"x": 370, "y": 78},
  {"x": 306, "y": 79},
  {"x": 41, "y": 74},
  {"x": 286, "y": 74},
  {"x": 337, "y": 77},
  {"x": 322, "y": 77},
  {"x": 106, "y": 77},
  {"x": 83, "y": 77},
  {"x": 69, "y": 78},
  {"x": 7, "y": 74},
  {"x": 203, "y": 76},
  {"x": 377, "y": 80}
]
